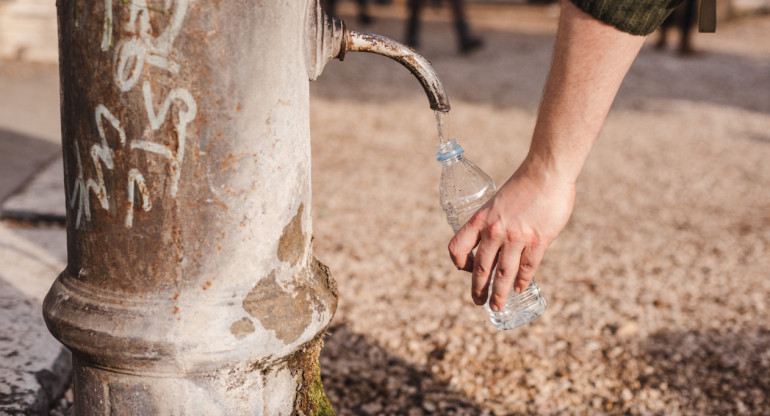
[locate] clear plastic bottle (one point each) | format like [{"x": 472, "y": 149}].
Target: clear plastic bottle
[{"x": 464, "y": 188}]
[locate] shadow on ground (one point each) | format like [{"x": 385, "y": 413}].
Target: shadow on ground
[
  {"x": 374, "y": 381},
  {"x": 693, "y": 370},
  {"x": 716, "y": 373},
  {"x": 22, "y": 157}
]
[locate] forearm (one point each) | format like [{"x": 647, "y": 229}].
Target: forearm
[
  {"x": 590, "y": 61},
  {"x": 515, "y": 227}
]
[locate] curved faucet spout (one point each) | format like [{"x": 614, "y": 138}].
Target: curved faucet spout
[{"x": 417, "y": 64}]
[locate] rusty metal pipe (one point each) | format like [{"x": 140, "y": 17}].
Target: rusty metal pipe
[
  {"x": 191, "y": 287},
  {"x": 406, "y": 56}
]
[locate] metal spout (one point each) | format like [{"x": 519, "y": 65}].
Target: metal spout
[{"x": 408, "y": 57}]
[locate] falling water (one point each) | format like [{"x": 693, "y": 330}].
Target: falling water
[{"x": 442, "y": 123}]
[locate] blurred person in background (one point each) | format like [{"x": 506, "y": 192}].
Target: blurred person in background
[
  {"x": 682, "y": 18},
  {"x": 466, "y": 41},
  {"x": 596, "y": 42},
  {"x": 330, "y": 6}
]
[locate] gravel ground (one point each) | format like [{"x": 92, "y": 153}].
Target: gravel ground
[{"x": 657, "y": 289}]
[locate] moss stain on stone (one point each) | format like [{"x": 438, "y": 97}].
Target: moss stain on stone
[
  {"x": 318, "y": 400},
  {"x": 311, "y": 399}
]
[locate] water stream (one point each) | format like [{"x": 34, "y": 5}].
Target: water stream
[{"x": 442, "y": 124}]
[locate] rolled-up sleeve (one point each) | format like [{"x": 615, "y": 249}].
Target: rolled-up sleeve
[{"x": 637, "y": 17}]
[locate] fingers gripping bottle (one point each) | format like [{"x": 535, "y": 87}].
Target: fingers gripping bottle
[{"x": 464, "y": 188}]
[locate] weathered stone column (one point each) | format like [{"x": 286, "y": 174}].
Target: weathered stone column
[{"x": 191, "y": 287}]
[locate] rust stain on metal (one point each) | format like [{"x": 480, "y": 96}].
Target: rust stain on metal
[
  {"x": 232, "y": 160},
  {"x": 291, "y": 246},
  {"x": 406, "y": 56},
  {"x": 221, "y": 204},
  {"x": 242, "y": 328},
  {"x": 229, "y": 161}
]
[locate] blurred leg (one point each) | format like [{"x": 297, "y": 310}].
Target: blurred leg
[
  {"x": 688, "y": 19},
  {"x": 413, "y": 24},
  {"x": 467, "y": 42},
  {"x": 663, "y": 31},
  {"x": 329, "y": 7},
  {"x": 363, "y": 12}
]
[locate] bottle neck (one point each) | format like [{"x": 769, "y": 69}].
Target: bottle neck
[
  {"x": 449, "y": 152},
  {"x": 451, "y": 160}
]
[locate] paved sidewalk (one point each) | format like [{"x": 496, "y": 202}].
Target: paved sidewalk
[
  {"x": 34, "y": 367},
  {"x": 41, "y": 198}
]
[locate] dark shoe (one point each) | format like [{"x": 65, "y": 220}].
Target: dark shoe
[
  {"x": 365, "y": 19},
  {"x": 411, "y": 39},
  {"x": 687, "y": 50},
  {"x": 469, "y": 45}
]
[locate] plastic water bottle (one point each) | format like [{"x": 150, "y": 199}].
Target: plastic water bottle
[{"x": 464, "y": 188}]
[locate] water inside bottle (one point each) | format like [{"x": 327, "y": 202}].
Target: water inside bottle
[{"x": 519, "y": 309}]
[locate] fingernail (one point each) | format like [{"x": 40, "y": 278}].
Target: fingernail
[
  {"x": 517, "y": 289},
  {"x": 495, "y": 308}
]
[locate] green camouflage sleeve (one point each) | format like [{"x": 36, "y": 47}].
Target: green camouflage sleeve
[{"x": 637, "y": 17}]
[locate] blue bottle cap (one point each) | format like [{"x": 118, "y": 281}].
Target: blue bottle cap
[{"x": 447, "y": 150}]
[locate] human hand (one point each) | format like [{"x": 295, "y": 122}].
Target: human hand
[{"x": 513, "y": 230}]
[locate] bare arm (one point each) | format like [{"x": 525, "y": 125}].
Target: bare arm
[{"x": 533, "y": 206}]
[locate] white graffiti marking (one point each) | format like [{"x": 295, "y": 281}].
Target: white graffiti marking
[
  {"x": 107, "y": 32},
  {"x": 184, "y": 117},
  {"x": 144, "y": 47},
  {"x": 159, "y": 47},
  {"x": 141, "y": 47},
  {"x": 136, "y": 180},
  {"x": 130, "y": 62},
  {"x": 79, "y": 191},
  {"x": 101, "y": 152}
]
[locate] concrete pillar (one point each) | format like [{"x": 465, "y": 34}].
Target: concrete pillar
[{"x": 191, "y": 287}]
